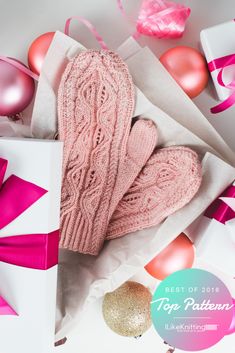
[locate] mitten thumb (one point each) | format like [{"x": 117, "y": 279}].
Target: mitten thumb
[{"x": 140, "y": 145}]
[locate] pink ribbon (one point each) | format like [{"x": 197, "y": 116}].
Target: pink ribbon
[
  {"x": 222, "y": 63},
  {"x": 16, "y": 195},
  {"x": 219, "y": 210},
  {"x": 89, "y": 26},
  {"x": 160, "y": 18},
  {"x": 36, "y": 251},
  {"x": 20, "y": 66},
  {"x": 30, "y": 73},
  {"x": 6, "y": 309}
]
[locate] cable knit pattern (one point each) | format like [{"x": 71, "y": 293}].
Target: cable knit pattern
[
  {"x": 95, "y": 109},
  {"x": 170, "y": 179}
]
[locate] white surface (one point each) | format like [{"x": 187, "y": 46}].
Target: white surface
[
  {"x": 21, "y": 21},
  {"x": 31, "y": 293}
]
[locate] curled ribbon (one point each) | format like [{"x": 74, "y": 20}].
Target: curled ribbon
[
  {"x": 37, "y": 251},
  {"x": 89, "y": 25},
  {"x": 221, "y": 209},
  {"x": 160, "y": 18},
  {"x": 20, "y": 66},
  {"x": 222, "y": 63},
  {"x": 83, "y": 20}
]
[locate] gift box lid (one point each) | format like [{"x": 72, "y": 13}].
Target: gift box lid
[{"x": 218, "y": 41}]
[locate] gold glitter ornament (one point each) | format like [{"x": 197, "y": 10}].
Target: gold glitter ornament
[{"x": 127, "y": 310}]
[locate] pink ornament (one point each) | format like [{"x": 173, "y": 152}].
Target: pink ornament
[
  {"x": 16, "y": 89},
  {"x": 38, "y": 50},
  {"x": 178, "y": 255},
  {"x": 162, "y": 19},
  {"x": 232, "y": 326},
  {"x": 188, "y": 67}
]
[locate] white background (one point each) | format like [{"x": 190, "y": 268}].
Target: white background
[{"x": 23, "y": 20}]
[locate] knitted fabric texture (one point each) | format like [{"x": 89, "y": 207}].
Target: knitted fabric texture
[
  {"x": 102, "y": 158},
  {"x": 170, "y": 179}
]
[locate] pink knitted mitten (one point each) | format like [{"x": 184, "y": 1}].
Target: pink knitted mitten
[
  {"x": 101, "y": 157},
  {"x": 170, "y": 179}
]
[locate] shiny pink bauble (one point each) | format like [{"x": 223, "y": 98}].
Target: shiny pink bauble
[
  {"x": 16, "y": 89},
  {"x": 178, "y": 255},
  {"x": 232, "y": 326},
  {"x": 188, "y": 67},
  {"x": 38, "y": 50}
]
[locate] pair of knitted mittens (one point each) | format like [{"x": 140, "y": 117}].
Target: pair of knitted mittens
[
  {"x": 113, "y": 183},
  {"x": 102, "y": 154}
]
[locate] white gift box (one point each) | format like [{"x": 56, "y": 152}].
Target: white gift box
[
  {"x": 216, "y": 246},
  {"x": 231, "y": 228},
  {"x": 84, "y": 279},
  {"x": 217, "y": 42},
  {"x": 214, "y": 239},
  {"x": 31, "y": 293}
]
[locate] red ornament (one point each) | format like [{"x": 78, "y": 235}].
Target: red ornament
[
  {"x": 188, "y": 67},
  {"x": 38, "y": 50},
  {"x": 178, "y": 255}
]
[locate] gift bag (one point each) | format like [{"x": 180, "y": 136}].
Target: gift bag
[{"x": 83, "y": 278}]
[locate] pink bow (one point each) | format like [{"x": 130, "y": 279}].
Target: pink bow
[
  {"x": 221, "y": 209},
  {"x": 222, "y": 63},
  {"x": 38, "y": 251}
]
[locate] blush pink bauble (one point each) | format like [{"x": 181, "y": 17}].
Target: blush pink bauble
[
  {"x": 188, "y": 67},
  {"x": 178, "y": 255},
  {"x": 16, "y": 89},
  {"x": 38, "y": 50}
]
